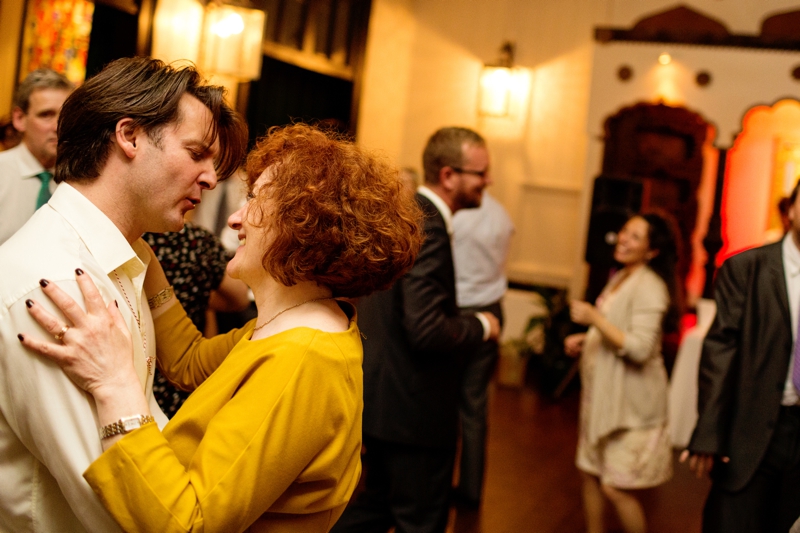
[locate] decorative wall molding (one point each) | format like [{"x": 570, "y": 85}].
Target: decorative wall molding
[
  {"x": 530, "y": 273},
  {"x": 570, "y": 189},
  {"x": 683, "y": 25}
]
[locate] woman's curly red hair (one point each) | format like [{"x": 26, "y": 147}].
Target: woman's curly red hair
[{"x": 338, "y": 215}]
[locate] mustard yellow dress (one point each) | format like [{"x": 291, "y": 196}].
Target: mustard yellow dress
[{"x": 270, "y": 441}]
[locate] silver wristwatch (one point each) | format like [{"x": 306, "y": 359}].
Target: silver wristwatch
[{"x": 125, "y": 425}]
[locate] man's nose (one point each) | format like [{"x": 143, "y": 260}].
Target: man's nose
[{"x": 208, "y": 179}]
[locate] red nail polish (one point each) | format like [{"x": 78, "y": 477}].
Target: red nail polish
[
  {"x": 43, "y": 282},
  {"x": 29, "y": 303},
  {"x": 20, "y": 337},
  {"x": 116, "y": 303},
  {"x": 78, "y": 271}
]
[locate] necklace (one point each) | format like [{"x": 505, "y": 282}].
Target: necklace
[
  {"x": 279, "y": 313},
  {"x": 148, "y": 360}
]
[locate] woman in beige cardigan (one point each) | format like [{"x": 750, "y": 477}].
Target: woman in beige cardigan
[{"x": 623, "y": 442}]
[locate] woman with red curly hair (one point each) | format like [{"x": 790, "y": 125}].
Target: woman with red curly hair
[{"x": 270, "y": 438}]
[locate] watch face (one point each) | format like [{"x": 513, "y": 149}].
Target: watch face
[{"x": 131, "y": 423}]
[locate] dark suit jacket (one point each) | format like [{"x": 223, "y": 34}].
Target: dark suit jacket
[
  {"x": 744, "y": 364},
  {"x": 414, "y": 339}
]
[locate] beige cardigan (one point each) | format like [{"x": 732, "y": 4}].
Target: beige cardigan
[{"x": 630, "y": 384}]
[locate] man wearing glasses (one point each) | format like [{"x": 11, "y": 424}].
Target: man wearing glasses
[{"x": 414, "y": 349}]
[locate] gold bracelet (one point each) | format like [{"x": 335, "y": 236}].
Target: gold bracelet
[
  {"x": 125, "y": 425},
  {"x": 161, "y": 298}
]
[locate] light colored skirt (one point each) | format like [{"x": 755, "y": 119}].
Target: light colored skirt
[
  {"x": 628, "y": 458},
  {"x": 634, "y": 458}
]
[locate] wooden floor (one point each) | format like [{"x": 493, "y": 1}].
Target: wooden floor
[{"x": 532, "y": 485}]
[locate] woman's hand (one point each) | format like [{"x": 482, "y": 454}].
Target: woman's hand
[
  {"x": 700, "y": 464},
  {"x": 95, "y": 348},
  {"x": 573, "y": 344},
  {"x": 583, "y": 313}
]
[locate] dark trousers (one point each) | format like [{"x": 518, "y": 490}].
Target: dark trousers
[
  {"x": 770, "y": 502},
  {"x": 405, "y": 486},
  {"x": 473, "y": 410}
]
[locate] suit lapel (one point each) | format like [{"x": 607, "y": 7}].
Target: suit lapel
[{"x": 778, "y": 281}]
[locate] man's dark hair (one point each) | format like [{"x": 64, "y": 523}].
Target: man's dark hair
[
  {"x": 445, "y": 149},
  {"x": 148, "y": 91},
  {"x": 41, "y": 78},
  {"x": 793, "y": 195},
  {"x": 663, "y": 235}
]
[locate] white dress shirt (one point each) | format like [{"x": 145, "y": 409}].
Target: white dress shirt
[
  {"x": 481, "y": 238},
  {"x": 19, "y": 188},
  {"x": 48, "y": 426},
  {"x": 791, "y": 268}
]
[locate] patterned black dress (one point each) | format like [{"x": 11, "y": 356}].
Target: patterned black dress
[{"x": 194, "y": 262}]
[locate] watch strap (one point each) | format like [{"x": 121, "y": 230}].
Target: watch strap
[{"x": 125, "y": 425}]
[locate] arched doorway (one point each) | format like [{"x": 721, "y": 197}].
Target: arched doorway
[{"x": 762, "y": 167}]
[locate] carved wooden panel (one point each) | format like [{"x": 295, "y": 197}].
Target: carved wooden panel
[{"x": 652, "y": 160}]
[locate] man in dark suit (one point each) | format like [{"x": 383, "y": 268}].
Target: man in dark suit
[
  {"x": 748, "y": 430},
  {"x": 414, "y": 339}
]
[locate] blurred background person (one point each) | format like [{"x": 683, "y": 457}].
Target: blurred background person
[
  {"x": 415, "y": 341},
  {"x": 26, "y": 171},
  {"x": 747, "y": 435},
  {"x": 410, "y": 177},
  {"x": 9, "y": 136},
  {"x": 623, "y": 439},
  {"x": 783, "y": 209},
  {"x": 777, "y": 233},
  {"x": 481, "y": 240}
]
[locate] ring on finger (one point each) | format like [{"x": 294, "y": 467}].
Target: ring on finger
[{"x": 60, "y": 334}]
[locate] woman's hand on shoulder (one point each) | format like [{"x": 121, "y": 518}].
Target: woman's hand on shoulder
[
  {"x": 94, "y": 347},
  {"x": 573, "y": 344}
]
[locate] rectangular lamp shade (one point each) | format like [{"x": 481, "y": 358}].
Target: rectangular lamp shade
[
  {"x": 231, "y": 44},
  {"x": 177, "y": 30},
  {"x": 495, "y": 91}
]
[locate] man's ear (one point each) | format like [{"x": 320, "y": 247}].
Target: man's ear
[
  {"x": 18, "y": 119},
  {"x": 126, "y": 136},
  {"x": 447, "y": 178}
]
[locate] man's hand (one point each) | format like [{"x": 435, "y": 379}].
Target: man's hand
[
  {"x": 494, "y": 326},
  {"x": 700, "y": 463},
  {"x": 573, "y": 344}
]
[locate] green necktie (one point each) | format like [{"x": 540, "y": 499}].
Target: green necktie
[{"x": 44, "y": 190}]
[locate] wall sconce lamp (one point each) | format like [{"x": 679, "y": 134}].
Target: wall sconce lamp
[
  {"x": 221, "y": 39},
  {"x": 496, "y": 83}
]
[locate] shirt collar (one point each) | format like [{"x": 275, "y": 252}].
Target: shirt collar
[
  {"x": 440, "y": 204},
  {"x": 29, "y": 166},
  {"x": 791, "y": 255},
  {"x": 100, "y": 235}
]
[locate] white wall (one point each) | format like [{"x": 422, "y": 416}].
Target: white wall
[{"x": 422, "y": 66}]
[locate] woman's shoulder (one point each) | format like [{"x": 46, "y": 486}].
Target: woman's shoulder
[
  {"x": 313, "y": 338},
  {"x": 650, "y": 285},
  {"x": 648, "y": 275}
]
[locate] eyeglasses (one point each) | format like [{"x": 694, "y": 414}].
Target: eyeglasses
[{"x": 480, "y": 173}]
